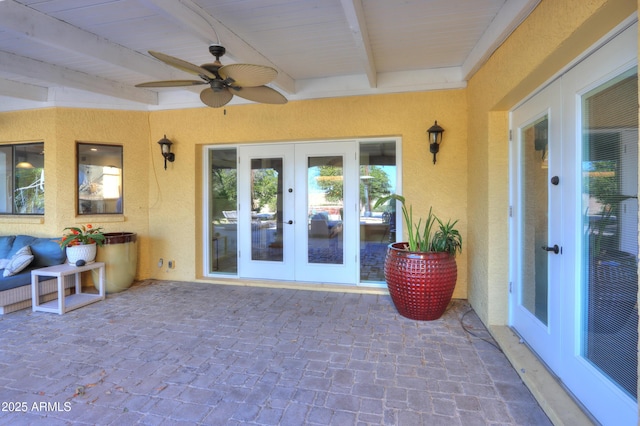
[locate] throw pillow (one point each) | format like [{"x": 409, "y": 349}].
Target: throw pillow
[{"x": 18, "y": 262}]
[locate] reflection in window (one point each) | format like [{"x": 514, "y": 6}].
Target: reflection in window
[
  {"x": 266, "y": 209},
  {"x": 377, "y": 228},
  {"x": 223, "y": 215},
  {"x": 22, "y": 175},
  {"x": 99, "y": 179},
  {"x": 610, "y": 229},
  {"x": 325, "y": 209},
  {"x": 534, "y": 166}
]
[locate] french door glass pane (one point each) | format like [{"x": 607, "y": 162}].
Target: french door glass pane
[
  {"x": 377, "y": 228},
  {"x": 610, "y": 224},
  {"x": 534, "y": 210},
  {"x": 223, "y": 198},
  {"x": 266, "y": 209},
  {"x": 325, "y": 206}
]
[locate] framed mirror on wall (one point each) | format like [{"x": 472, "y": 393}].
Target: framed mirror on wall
[{"x": 99, "y": 178}]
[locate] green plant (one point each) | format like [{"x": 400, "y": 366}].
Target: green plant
[
  {"x": 85, "y": 234},
  {"x": 432, "y": 235}
]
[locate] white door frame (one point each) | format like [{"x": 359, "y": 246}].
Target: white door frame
[
  {"x": 606, "y": 401},
  {"x": 544, "y": 338},
  {"x": 295, "y": 265},
  {"x": 209, "y": 250},
  {"x": 609, "y": 404},
  {"x": 247, "y": 267},
  {"x": 347, "y": 272}
]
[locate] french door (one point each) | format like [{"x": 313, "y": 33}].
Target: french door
[
  {"x": 536, "y": 134},
  {"x": 298, "y": 211},
  {"x": 575, "y": 228}
]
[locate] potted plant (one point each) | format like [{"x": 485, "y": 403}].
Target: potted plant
[
  {"x": 421, "y": 273},
  {"x": 80, "y": 243}
]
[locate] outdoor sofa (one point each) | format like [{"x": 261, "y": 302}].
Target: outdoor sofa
[{"x": 16, "y": 264}]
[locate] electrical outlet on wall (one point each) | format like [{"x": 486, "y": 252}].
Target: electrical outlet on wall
[
  {"x": 160, "y": 262},
  {"x": 171, "y": 264}
]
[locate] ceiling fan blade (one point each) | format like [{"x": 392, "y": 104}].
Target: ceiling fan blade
[
  {"x": 172, "y": 83},
  {"x": 248, "y": 75},
  {"x": 182, "y": 65},
  {"x": 262, "y": 94},
  {"x": 215, "y": 99}
]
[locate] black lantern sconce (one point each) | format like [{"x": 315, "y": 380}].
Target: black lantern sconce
[
  {"x": 165, "y": 146},
  {"x": 435, "y": 139},
  {"x": 541, "y": 137}
]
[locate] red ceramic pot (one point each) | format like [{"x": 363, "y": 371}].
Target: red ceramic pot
[{"x": 421, "y": 284}]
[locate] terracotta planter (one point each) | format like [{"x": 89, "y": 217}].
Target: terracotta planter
[
  {"x": 86, "y": 252},
  {"x": 421, "y": 284}
]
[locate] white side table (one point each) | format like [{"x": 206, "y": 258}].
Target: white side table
[{"x": 74, "y": 301}]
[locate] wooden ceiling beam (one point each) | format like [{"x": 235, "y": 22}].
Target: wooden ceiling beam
[
  {"x": 358, "y": 27},
  {"x": 31, "y": 68},
  {"x": 26, "y": 91}
]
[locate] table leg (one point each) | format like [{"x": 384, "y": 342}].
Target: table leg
[
  {"x": 101, "y": 273},
  {"x": 61, "y": 307},
  {"x": 78, "y": 283},
  {"x": 35, "y": 298}
]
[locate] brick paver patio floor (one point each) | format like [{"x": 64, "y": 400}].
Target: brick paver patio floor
[{"x": 166, "y": 353}]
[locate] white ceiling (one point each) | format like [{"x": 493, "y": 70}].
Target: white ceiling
[{"x": 93, "y": 52}]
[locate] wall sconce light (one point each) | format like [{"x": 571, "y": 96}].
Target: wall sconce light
[
  {"x": 435, "y": 139},
  {"x": 541, "y": 137},
  {"x": 165, "y": 146}
]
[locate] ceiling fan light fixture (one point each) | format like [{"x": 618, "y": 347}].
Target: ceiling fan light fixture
[
  {"x": 215, "y": 99},
  {"x": 246, "y": 80}
]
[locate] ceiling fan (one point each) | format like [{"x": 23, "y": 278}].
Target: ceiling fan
[{"x": 245, "y": 80}]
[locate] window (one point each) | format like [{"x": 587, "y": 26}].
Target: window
[
  {"x": 223, "y": 200},
  {"x": 22, "y": 176},
  {"x": 99, "y": 179},
  {"x": 378, "y": 175}
]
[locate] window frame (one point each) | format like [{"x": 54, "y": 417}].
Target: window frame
[
  {"x": 80, "y": 202},
  {"x": 11, "y": 175}
]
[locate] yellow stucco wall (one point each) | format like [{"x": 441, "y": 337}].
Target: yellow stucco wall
[
  {"x": 164, "y": 207},
  {"x": 406, "y": 115},
  {"x": 61, "y": 129},
  {"x": 553, "y": 35},
  {"x": 469, "y": 182}
]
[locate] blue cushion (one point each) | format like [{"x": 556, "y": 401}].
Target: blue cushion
[
  {"x": 6, "y": 242},
  {"x": 47, "y": 252},
  {"x": 19, "y": 280},
  {"x": 19, "y": 242}
]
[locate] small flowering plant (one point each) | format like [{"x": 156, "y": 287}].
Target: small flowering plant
[{"x": 85, "y": 234}]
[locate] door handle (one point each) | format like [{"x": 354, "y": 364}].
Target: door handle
[
  {"x": 290, "y": 222},
  {"x": 555, "y": 248}
]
